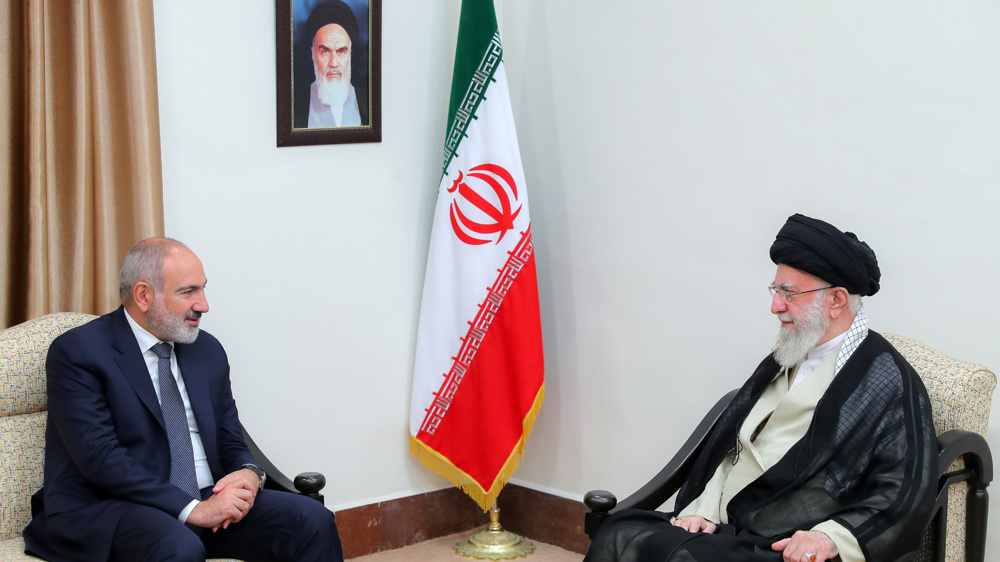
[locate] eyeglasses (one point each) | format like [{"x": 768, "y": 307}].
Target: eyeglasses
[{"x": 787, "y": 297}]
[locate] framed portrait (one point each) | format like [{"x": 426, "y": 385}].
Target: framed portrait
[{"x": 329, "y": 71}]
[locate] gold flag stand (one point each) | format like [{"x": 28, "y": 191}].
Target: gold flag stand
[{"x": 494, "y": 543}]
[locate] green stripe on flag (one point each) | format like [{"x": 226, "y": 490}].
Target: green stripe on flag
[{"x": 477, "y": 57}]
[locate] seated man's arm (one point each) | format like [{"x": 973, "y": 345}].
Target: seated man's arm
[
  {"x": 233, "y": 450},
  {"x": 233, "y": 454}
]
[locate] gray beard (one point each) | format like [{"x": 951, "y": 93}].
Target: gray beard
[
  {"x": 333, "y": 92},
  {"x": 796, "y": 342},
  {"x": 170, "y": 326}
]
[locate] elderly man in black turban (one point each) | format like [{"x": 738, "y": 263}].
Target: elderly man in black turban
[
  {"x": 333, "y": 101},
  {"x": 827, "y": 452}
]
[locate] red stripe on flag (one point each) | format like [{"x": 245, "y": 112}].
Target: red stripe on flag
[{"x": 485, "y": 421}]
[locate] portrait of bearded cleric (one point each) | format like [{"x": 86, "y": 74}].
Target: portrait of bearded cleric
[{"x": 330, "y": 64}]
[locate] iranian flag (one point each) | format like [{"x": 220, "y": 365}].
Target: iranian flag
[{"x": 478, "y": 378}]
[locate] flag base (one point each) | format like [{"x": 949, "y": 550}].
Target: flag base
[{"x": 494, "y": 543}]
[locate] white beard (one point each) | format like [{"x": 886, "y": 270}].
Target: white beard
[
  {"x": 795, "y": 343},
  {"x": 333, "y": 92},
  {"x": 174, "y": 328}
]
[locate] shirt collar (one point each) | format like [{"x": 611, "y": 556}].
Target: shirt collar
[{"x": 855, "y": 335}]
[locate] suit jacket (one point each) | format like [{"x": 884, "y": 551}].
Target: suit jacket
[{"x": 106, "y": 445}]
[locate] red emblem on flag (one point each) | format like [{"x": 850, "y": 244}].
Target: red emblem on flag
[{"x": 487, "y": 205}]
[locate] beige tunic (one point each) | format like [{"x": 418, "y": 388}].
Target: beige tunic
[{"x": 785, "y": 415}]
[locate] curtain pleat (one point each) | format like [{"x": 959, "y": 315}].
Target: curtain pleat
[{"x": 82, "y": 177}]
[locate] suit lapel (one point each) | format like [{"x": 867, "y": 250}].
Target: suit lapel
[{"x": 132, "y": 364}]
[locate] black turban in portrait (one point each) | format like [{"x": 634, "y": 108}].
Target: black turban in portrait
[
  {"x": 332, "y": 11},
  {"x": 820, "y": 249}
]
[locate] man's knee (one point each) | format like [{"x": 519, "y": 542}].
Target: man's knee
[
  {"x": 314, "y": 518},
  {"x": 315, "y": 536},
  {"x": 150, "y": 535},
  {"x": 183, "y": 548}
]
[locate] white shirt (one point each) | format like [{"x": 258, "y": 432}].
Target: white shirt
[{"x": 146, "y": 342}]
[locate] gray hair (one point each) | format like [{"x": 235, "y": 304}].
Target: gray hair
[
  {"x": 854, "y": 303},
  {"x": 144, "y": 262}
]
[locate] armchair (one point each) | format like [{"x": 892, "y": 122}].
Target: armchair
[
  {"x": 960, "y": 396},
  {"x": 23, "y": 414}
]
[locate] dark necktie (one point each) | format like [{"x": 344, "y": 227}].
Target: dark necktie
[{"x": 182, "y": 472}]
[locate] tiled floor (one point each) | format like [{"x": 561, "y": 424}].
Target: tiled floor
[{"x": 443, "y": 550}]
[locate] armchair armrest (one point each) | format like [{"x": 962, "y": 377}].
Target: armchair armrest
[
  {"x": 665, "y": 484},
  {"x": 978, "y": 472},
  {"x": 307, "y": 483},
  {"x": 957, "y": 443}
]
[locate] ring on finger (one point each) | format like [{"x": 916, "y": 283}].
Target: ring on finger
[{"x": 809, "y": 557}]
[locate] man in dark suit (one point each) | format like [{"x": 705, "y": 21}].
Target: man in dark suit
[{"x": 144, "y": 452}]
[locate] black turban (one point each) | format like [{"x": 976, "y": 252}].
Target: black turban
[
  {"x": 820, "y": 249},
  {"x": 332, "y": 11}
]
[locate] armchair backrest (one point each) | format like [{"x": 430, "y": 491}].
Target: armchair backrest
[
  {"x": 961, "y": 394},
  {"x": 23, "y": 412}
]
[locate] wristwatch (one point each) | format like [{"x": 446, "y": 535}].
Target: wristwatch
[{"x": 260, "y": 473}]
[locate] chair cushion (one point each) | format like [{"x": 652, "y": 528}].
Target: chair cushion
[
  {"x": 22, "y": 455},
  {"x": 22, "y": 360},
  {"x": 13, "y": 550}
]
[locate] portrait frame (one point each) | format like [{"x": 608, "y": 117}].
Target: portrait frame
[{"x": 295, "y": 75}]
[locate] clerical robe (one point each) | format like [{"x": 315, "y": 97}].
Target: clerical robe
[{"x": 866, "y": 465}]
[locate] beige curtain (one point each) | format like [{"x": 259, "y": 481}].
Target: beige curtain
[{"x": 80, "y": 177}]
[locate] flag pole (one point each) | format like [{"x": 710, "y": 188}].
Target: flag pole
[{"x": 495, "y": 543}]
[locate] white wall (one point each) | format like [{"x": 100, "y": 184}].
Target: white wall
[{"x": 664, "y": 144}]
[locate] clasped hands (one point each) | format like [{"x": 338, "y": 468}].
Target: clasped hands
[
  {"x": 232, "y": 498},
  {"x": 803, "y": 546}
]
